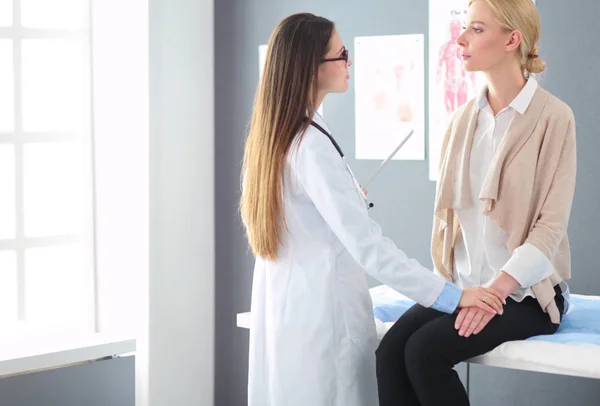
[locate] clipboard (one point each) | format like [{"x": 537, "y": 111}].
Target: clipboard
[{"x": 385, "y": 162}]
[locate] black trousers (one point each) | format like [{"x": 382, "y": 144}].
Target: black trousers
[{"x": 416, "y": 357}]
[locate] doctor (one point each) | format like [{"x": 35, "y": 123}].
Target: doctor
[{"x": 312, "y": 337}]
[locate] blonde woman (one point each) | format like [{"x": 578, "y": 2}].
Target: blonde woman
[
  {"x": 312, "y": 336},
  {"x": 504, "y": 195}
]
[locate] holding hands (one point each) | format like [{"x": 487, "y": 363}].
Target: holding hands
[
  {"x": 477, "y": 307},
  {"x": 471, "y": 320},
  {"x": 473, "y": 316}
]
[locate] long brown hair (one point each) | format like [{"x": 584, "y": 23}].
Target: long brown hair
[{"x": 286, "y": 96}]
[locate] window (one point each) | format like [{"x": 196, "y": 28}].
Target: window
[
  {"x": 46, "y": 177},
  {"x": 74, "y": 181}
]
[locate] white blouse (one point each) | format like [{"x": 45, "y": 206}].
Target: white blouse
[{"x": 482, "y": 253}]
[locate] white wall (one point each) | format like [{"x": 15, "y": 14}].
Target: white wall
[
  {"x": 121, "y": 153},
  {"x": 181, "y": 280},
  {"x": 121, "y": 143}
]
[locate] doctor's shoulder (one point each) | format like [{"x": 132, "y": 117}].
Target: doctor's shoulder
[{"x": 313, "y": 145}]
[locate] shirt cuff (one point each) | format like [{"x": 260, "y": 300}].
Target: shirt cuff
[
  {"x": 448, "y": 300},
  {"x": 528, "y": 265}
]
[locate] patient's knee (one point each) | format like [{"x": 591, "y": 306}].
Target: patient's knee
[
  {"x": 390, "y": 348},
  {"x": 426, "y": 354},
  {"x": 418, "y": 354}
]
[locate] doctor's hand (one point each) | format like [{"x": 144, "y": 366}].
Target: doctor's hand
[
  {"x": 471, "y": 320},
  {"x": 483, "y": 298}
]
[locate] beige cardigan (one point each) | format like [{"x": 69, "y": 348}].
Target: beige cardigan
[{"x": 528, "y": 190}]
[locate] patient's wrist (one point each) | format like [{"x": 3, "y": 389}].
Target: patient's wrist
[{"x": 505, "y": 284}]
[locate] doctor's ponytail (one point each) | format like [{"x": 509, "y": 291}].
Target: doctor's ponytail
[{"x": 285, "y": 94}]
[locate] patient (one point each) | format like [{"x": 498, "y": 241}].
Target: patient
[{"x": 504, "y": 195}]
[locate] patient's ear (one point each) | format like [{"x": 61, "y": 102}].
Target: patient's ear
[{"x": 514, "y": 41}]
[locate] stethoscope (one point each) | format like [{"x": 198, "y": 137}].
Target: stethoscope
[{"x": 339, "y": 150}]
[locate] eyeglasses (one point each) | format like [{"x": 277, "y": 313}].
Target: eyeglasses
[{"x": 343, "y": 57}]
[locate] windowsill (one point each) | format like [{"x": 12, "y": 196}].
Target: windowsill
[{"x": 36, "y": 354}]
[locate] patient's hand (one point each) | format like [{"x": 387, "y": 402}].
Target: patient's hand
[
  {"x": 471, "y": 320},
  {"x": 484, "y": 298}
]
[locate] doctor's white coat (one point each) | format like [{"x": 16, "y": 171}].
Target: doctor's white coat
[{"x": 312, "y": 335}]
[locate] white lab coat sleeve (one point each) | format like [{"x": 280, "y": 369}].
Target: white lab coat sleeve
[{"x": 323, "y": 175}]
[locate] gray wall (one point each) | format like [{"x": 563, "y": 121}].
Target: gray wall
[
  {"x": 403, "y": 194},
  {"x": 102, "y": 383}
]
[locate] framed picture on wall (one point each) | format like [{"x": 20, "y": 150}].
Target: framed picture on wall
[{"x": 389, "y": 83}]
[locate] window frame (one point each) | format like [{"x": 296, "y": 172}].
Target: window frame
[
  {"x": 18, "y": 137},
  {"x": 120, "y": 128}
]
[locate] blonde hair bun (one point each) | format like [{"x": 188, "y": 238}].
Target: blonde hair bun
[{"x": 534, "y": 64}]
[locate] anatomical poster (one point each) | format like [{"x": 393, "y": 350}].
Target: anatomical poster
[{"x": 389, "y": 78}]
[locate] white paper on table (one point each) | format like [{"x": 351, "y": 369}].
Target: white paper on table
[
  {"x": 450, "y": 86},
  {"x": 262, "y": 57},
  {"x": 389, "y": 82}
]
